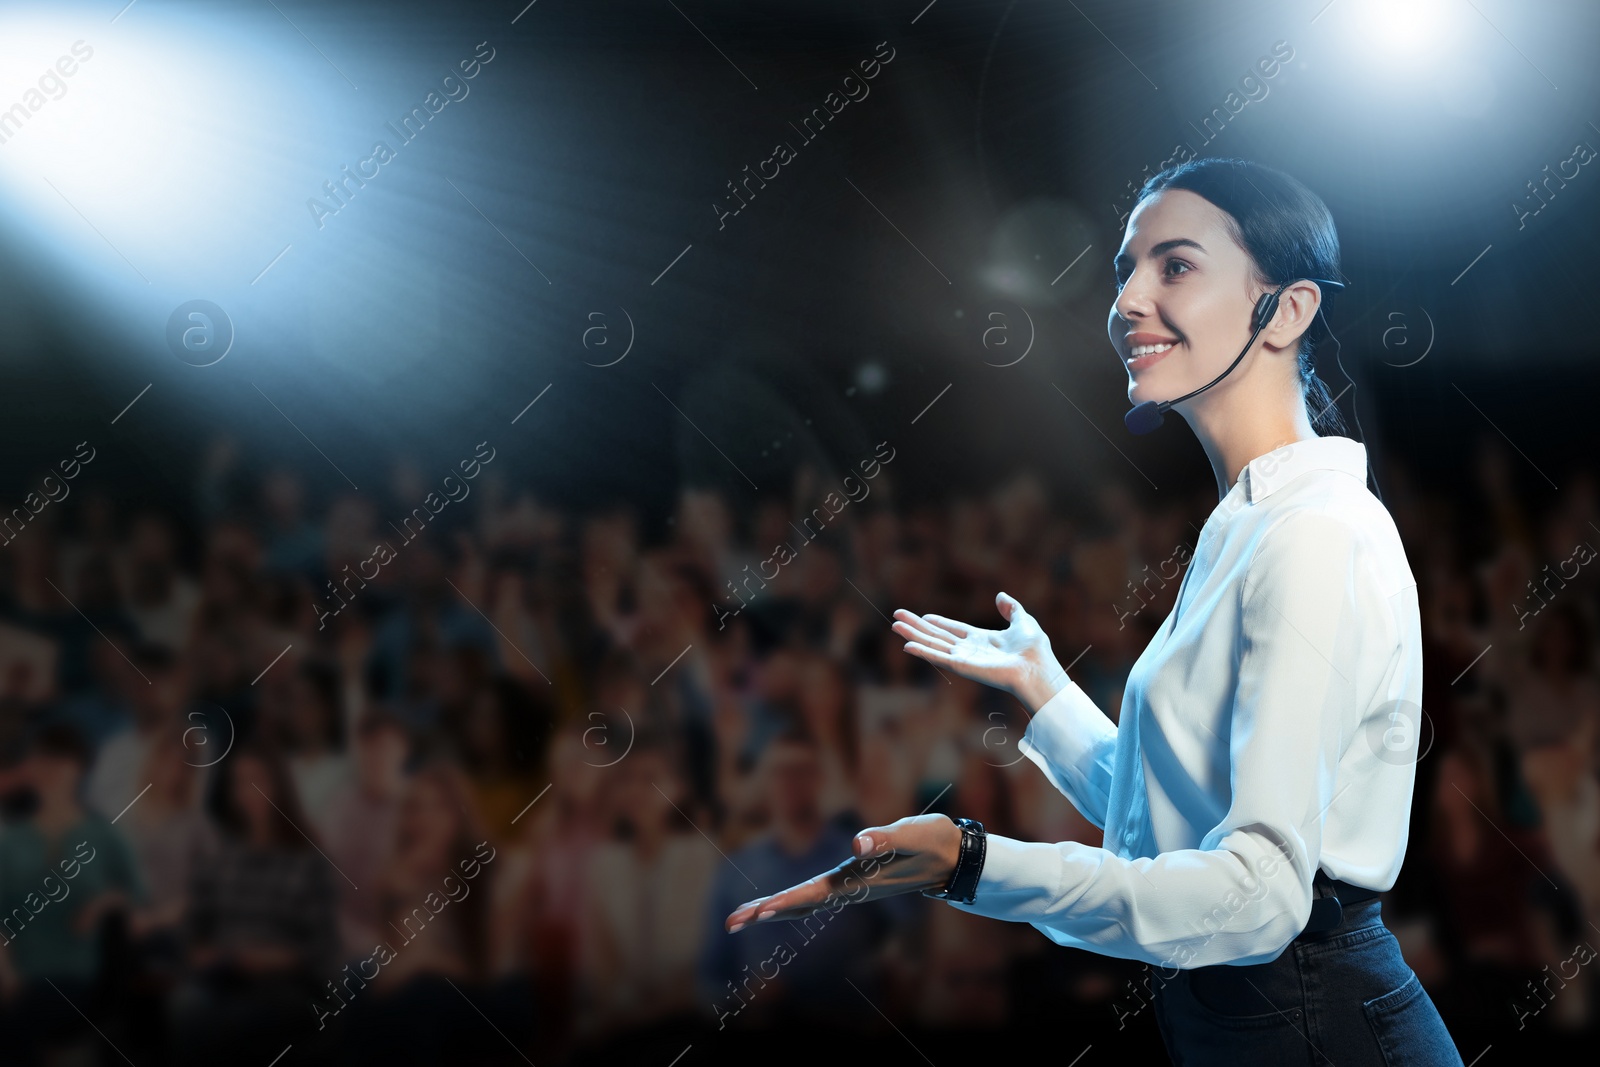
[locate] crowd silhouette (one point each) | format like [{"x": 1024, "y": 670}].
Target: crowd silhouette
[{"x": 532, "y": 766}]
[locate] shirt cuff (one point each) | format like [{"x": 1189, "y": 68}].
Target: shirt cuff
[
  {"x": 1064, "y": 737},
  {"x": 1020, "y": 880}
]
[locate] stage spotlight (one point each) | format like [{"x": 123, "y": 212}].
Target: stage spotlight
[
  {"x": 1404, "y": 35},
  {"x": 153, "y": 159},
  {"x": 128, "y": 151},
  {"x": 1403, "y": 27}
]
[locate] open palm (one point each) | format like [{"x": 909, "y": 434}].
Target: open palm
[{"x": 1017, "y": 659}]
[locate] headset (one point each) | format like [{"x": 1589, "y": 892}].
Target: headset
[{"x": 1147, "y": 415}]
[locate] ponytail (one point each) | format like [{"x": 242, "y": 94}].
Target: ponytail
[{"x": 1320, "y": 408}]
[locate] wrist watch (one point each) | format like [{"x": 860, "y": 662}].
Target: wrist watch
[{"x": 963, "y": 885}]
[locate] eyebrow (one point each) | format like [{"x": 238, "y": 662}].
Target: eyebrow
[{"x": 1123, "y": 259}]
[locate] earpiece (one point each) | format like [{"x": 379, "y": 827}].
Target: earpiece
[
  {"x": 1146, "y": 416},
  {"x": 1267, "y": 306}
]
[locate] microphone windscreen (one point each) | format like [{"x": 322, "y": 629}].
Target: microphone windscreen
[{"x": 1144, "y": 417}]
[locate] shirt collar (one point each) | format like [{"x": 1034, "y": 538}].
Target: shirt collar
[{"x": 1282, "y": 465}]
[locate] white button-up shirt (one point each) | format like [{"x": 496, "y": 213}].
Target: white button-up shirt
[{"x": 1270, "y": 728}]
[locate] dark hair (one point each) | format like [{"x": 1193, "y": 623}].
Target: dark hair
[
  {"x": 328, "y": 690},
  {"x": 525, "y": 716},
  {"x": 290, "y": 825},
  {"x": 1289, "y": 234}
]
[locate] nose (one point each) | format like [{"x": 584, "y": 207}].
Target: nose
[{"x": 1133, "y": 302}]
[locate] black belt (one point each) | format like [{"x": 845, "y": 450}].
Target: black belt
[{"x": 1329, "y": 898}]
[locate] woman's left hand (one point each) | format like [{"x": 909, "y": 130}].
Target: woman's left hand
[{"x": 908, "y": 856}]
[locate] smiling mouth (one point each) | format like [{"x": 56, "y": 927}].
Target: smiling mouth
[{"x": 1143, "y": 355}]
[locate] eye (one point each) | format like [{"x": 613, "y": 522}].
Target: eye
[{"x": 1173, "y": 267}]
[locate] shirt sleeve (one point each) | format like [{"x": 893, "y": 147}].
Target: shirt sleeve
[
  {"x": 1245, "y": 892},
  {"x": 1073, "y": 743}
]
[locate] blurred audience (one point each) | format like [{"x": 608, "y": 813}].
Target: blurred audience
[
  {"x": 65, "y": 873},
  {"x": 646, "y": 906},
  {"x": 494, "y": 803},
  {"x": 261, "y": 925}
]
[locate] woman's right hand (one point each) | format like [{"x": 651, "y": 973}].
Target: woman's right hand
[{"x": 1017, "y": 659}]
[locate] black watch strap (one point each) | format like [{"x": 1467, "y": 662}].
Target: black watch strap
[{"x": 963, "y": 886}]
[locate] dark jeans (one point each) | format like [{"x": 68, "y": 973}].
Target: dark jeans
[{"x": 1343, "y": 997}]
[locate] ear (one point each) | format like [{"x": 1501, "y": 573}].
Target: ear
[{"x": 1297, "y": 306}]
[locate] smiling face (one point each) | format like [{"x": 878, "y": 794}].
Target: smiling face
[{"x": 1186, "y": 294}]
